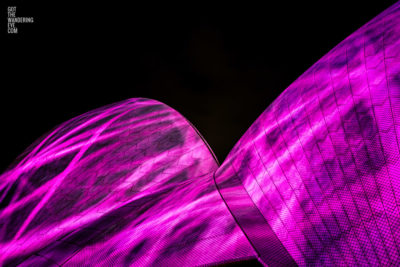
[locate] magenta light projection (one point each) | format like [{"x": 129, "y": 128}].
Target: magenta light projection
[
  {"x": 128, "y": 184},
  {"x": 320, "y": 167},
  {"x": 315, "y": 181}
]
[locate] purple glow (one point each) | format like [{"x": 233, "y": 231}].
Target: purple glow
[
  {"x": 126, "y": 184},
  {"x": 314, "y": 181},
  {"x": 321, "y": 164}
]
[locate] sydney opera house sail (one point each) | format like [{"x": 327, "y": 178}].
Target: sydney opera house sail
[
  {"x": 313, "y": 182},
  {"x": 320, "y": 167},
  {"x": 131, "y": 183}
]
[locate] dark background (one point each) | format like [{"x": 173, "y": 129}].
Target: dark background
[{"x": 218, "y": 66}]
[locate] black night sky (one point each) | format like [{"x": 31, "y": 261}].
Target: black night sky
[{"x": 220, "y": 67}]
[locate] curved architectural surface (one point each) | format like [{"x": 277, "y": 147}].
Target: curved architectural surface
[
  {"x": 314, "y": 181},
  {"x": 128, "y": 184},
  {"x": 319, "y": 169}
]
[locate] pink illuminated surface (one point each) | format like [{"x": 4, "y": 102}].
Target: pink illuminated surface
[
  {"x": 128, "y": 183},
  {"x": 321, "y": 164},
  {"x": 314, "y": 181}
]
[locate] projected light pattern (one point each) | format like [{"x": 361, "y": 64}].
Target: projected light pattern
[
  {"x": 321, "y": 164},
  {"x": 314, "y": 181},
  {"x": 128, "y": 184}
]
